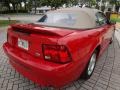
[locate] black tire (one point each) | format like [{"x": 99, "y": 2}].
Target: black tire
[
  {"x": 111, "y": 41},
  {"x": 86, "y": 74}
]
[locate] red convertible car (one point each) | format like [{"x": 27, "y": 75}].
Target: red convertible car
[{"x": 60, "y": 47}]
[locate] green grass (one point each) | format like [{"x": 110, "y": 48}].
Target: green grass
[
  {"x": 115, "y": 19},
  {"x": 7, "y": 22}
]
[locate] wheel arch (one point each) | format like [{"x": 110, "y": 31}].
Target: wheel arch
[{"x": 98, "y": 49}]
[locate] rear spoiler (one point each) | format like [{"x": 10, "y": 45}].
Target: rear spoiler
[{"x": 29, "y": 29}]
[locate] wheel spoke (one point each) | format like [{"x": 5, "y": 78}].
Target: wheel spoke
[{"x": 91, "y": 64}]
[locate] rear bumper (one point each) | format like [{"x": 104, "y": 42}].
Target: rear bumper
[{"x": 43, "y": 73}]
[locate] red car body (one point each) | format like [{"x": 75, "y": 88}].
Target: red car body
[{"x": 75, "y": 46}]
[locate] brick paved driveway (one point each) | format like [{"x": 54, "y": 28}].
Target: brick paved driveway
[{"x": 105, "y": 77}]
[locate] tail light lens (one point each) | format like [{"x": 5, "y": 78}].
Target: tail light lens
[{"x": 56, "y": 53}]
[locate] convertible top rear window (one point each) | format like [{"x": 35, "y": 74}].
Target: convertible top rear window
[
  {"x": 67, "y": 19},
  {"x": 59, "y": 18}
]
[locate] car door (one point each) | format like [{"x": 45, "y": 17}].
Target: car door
[{"x": 106, "y": 29}]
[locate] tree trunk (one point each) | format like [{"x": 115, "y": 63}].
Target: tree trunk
[
  {"x": 14, "y": 8},
  {"x": 56, "y": 7},
  {"x": 8, "y": 7},
  {"x": 89, "y": 3},
  {"x": 20, "y": 5},
  {"x": 35, "y": 7},
  {"x": 97, "y": 6},
  {"x": 25, "y": 5}
]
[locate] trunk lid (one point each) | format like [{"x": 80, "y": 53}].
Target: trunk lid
[
  {"x": 36, "y": 36},
  {"x": 44, "y": 30}
]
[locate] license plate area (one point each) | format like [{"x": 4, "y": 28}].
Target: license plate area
[{"x": 24, "y": 44}]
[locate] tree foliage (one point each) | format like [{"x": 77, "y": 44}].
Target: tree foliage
[
  {"x": 53, "y": 3},
  {"x": 14, "y": 3},
  {"x": 28, "y": 4}
]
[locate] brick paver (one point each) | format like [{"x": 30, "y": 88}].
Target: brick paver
[{"x": 105, "y": 77}]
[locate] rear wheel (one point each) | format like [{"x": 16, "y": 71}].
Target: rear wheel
[
  {"x": 90, "y": 67},
  {"x": 111, "y": 41}
]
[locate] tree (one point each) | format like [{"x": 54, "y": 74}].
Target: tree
[
  {"x": 116, "y": 3},
  {"x": 6, "y": 3},
  {"x": 74, "y": 2},
  {"x": 56, "y": 3},
  {"x": 15, "y": 4},
  {"x": 53, "y": 3}
]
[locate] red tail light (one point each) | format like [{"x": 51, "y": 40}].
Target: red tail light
[{"x": 56, "y": 53}]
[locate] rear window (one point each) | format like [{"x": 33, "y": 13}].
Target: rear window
[
  {"x": 58, "y": 18},
  {"x": 67, "y": 19}
]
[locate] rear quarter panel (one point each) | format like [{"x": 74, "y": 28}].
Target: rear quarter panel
[{"x": 81, "y": 45}]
